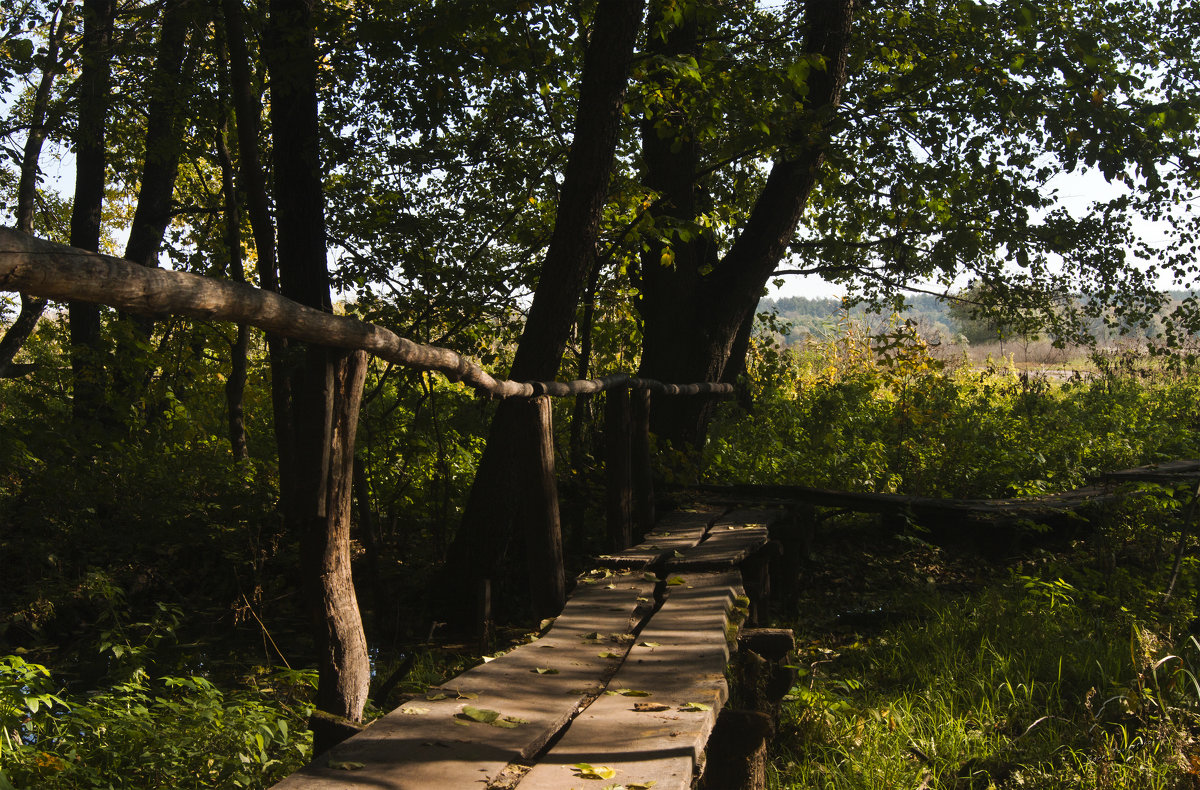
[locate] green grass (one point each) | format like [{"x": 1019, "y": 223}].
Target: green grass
[{"x": 1018, "y": 685}]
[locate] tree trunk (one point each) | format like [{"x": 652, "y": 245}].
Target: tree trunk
[
  {"x": 95, "y": 85},
  {"x": 488, "y": 521},
  {"x": 247, "y": 104},
  {"x": 326, "y": 393},
  {"x": 343, "y": 664},
  {"x": 693, "y": 321},
  {"x": 32, "y": 307},
  {"x": 164, "y": 133},
  {"x": 235, "y": 386}
]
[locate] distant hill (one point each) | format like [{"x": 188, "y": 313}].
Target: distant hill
[{"x": 821, "y": 317}]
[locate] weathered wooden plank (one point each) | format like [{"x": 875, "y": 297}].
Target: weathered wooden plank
[
  {"x": 731, "y": 539},
  {"x": 677, "y": 531},
  {"x": 1167, "y": 471},
  {"x": 428, "y": 743},
  {"x": 679, "y": 658}
]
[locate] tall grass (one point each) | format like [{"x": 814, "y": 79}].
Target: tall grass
[{"x": 1018, "y": 686}]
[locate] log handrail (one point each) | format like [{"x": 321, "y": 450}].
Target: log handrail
[{"x": 37, "y": 267}]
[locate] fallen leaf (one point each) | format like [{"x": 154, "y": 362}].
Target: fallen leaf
[
  {"x": 610, "y": 655},
  {"x": 695, "y": 706},
  {"x": 346, "y": 765},
  {"x": 675, "y": 580},
  {"x": 544, "y": 671},
  {"x": 649, "y": 644},
  {"x": 480, "y": 714},
  {"x": 633, "y": 693},
  {"x": 414, "y": 711},
  {"x": 586, "y": 771},
  {"x": 650, "y": 707},
  {"x": 435, "y": 696}
]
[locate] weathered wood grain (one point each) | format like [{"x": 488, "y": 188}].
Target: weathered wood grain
[
  {"x": 679, "y": 658},
  {"x": 679, "y": 531},
  {"x": 428, "y": 743},
  {"x": 731, "y": 540},
  {"x": 1165, "y": 472}
]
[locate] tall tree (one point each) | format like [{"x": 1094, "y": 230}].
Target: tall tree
[
  {"x": 32, "y": 307},
  {"x": 326, "y": 384},
  {"x": 247, "y": 110},
  {"x": 95, "y": 79},
  {"x": 695, "y": 304},
  {"x": 488, "y": 522}
]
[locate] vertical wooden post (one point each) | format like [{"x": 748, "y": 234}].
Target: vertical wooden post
[
  {"x": 620, "y": 493},
  {"x": 334, "y": 381},
  {"x": 643, "y": 482},
  {"x": 543, "y": 529}
]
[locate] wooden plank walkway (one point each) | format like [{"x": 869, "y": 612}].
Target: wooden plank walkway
[
  {"x": 679, "y": 661},
  {"x": 678, "y": 531},
  {"x": 432, "y": 743},
  {"x": 572, "y": 680}
]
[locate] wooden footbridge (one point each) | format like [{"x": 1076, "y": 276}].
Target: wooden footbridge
[{"x": 625, "y": 686}]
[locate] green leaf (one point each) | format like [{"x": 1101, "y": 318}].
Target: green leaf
[
  {"x": 633, "y": 693},
  {"x": 675, "y": 581},
  {"x": 414, "y": 711},
  {"x": 346, "y": 765},
  {"x": 588, "y": 771},
  {"x": 649, "y": 644},
  {"x": 609, "y": 654},
  {"x": 480, "y": 714},
  {"x": 544, "y": 671},
  {"x": 695, "y": 706}
]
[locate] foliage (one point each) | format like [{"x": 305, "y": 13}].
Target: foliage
[
  {"x": 1059, "y": 670},
  {"x": 878, "y": 412},
  {"x": 152, "y": 732}
]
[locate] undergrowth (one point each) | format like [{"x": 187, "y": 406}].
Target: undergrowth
[{"x": 1039, "y": 675}]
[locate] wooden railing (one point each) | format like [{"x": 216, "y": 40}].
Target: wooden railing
[{"x": 36, "y": 267}]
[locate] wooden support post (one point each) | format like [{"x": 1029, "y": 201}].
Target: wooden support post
[
  {"x": 620, "y": 486},
  {"x": 737, "y": 750},
  {"x": 539, "y": 512},
  {"x": 485, "y": 615},
  {"x": 643, "y": 482},
  {"x": 330, "y": 396}
]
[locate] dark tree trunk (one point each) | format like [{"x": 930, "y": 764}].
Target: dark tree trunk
[
  {"x": 326, "y": 386},
  {"x": 488, "y": 522},
  {"x": 235, "y": 386},
  {"x": 32, "y": 307},
  {"x": 160, "y": 166},
  {"x": 696, "y": 324},
  {"x": 94, "y": 94},
  {"x": 164, "y": 135},
  {"x": 247, "y": 110}
]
